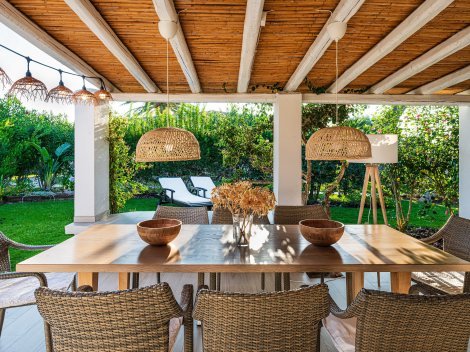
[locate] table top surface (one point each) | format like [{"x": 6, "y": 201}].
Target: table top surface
[{"x": 211, "y": 248}]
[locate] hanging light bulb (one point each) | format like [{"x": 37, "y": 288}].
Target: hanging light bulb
[
  {"x": 103, "y": 95},
  {"x": 4, "y": 79},
  {"x": 338, "y": 142},
  {"x": 83, "y": 96},
  {"x": 167, "y": 143},
  {"x": 28, "y": 87},
  {"x": 60, "y": 94}
]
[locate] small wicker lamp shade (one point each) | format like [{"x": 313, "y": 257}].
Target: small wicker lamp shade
[
  {"x": 167, "y": 144},
  {"x": 338, "y": 143},
  {"x": 4, "y": 79}
]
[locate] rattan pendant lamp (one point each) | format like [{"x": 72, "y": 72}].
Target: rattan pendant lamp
[
  {"x": 167, "y": 143},
  {"x": 338, "y": 142}
]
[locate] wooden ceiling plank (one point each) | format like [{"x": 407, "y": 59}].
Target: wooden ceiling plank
[
  {"x": 251, "y": 30},
  {"x": 30, "y": 31},
  {"x": 420, "y": 17},
  {"x": 85, "y": 10},
  {"x": 342, "y": 13},
  {"x": 453, "y": 44},
  {"x": 166, "y": 12},
  {"x": 465, "y": 92},
  {"x": 444, "y": 82}
]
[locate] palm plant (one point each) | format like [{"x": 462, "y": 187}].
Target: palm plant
[{"x": 50, "y": 165}]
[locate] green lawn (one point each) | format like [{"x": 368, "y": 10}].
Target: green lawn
[{"x": 43, "y": 222}]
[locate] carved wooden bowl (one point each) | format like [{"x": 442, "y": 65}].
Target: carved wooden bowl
[
  {"x": 159, "y": 232},
  {"x": 321, "y": 232}
]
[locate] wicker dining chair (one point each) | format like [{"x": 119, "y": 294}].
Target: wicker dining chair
[
  {"x": 292, "y": 215},
  {"x": 275, "y": 321},
  {"x": 144, "y": 319},
  {"x": 455, "y": 235},
  {"x": 389, "y": 322},
  {"x": 187, "y": 215},
  {"x": 17, "y": 289}
]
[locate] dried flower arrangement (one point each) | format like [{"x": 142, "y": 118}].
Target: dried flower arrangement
[{"x": 242, "y": 199}]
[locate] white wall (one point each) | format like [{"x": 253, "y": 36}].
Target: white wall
[
  {"x": 464, "y": 162},
  {"x": 287, "y": 163},
  {"x": 91, "y": 163}
]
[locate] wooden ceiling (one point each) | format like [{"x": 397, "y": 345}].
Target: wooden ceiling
[{"x": 213, "y": 30}]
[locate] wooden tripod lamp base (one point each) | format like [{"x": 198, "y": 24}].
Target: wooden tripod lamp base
[{"x": 372, "y": 176}]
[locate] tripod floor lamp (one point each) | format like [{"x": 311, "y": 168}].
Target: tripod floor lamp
[{"x": 384, "y": 151}]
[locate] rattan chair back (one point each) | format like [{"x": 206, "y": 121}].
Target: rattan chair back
[
  {"x": 277, "y": 321},
  {"x": 223, "y": 216},
  {"x": 121, "y": 321},
  {"x": 187, "y": 215},
  {"x": 291, "y": 215},
  {"x": 456, "y": 236},
  {"x": 390, "y": 322}
]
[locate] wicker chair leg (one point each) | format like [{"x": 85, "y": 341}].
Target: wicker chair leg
[
  {"x": 322, "y": 278},
  {"x": 414, "y": 290},
  {"x": 286, "y": 277},
  {"x": 135, "y": 280},
  {"x": 200, "y": 279},
  {"x": 219, "y": 277},
  {"x": 73, "y": 286},
  {"x": 2, "y": 319},
  {"x": 263, "y": 282},
  {"x": 159, "y": 278},
  {"x": 378, "y": 279},
  {"x": 277, "y": 282},
  {"x": 213, "y": 281}
]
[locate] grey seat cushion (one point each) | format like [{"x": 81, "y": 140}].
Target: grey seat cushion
[{"x": 20, "y": 291}]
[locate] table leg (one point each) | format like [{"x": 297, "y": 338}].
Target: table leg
[
  {"x": 90, "y": 279},
  {"x": 123, "y": 281},
  {"x": 400, "y": 282},
  {"x": 354, "y": 284},
  {"x": 213, "y": 281},
  {"x": 286, "y": 278}
]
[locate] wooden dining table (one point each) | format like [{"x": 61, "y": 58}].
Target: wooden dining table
[{"x": 273, "y": 248}]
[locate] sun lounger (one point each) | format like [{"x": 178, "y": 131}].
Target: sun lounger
[
  {"x": 203, "y": 184},
  {"x": 175, "y": 191}
]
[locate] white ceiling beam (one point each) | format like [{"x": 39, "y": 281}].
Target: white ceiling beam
[
  {"x": 251, "y": 29},
  {"x": 342, "y": 13},
  {"x": 19, "y": 23},
  {"x": 372, "y": 99},
  {"x": 436, "y": 54},
  {"x": 166, "y": 12},
  {"x": 443, "y": 82},
  {"x": 421, "y": 16},
  {"x": 85, "y": 10}
]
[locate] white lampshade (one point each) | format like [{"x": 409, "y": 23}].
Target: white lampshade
[{"x": 384, "y": 149}]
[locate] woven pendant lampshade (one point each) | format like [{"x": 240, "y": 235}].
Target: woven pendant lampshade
[
  {"x": 338, "y": 143},
  {"x": 28, "y": 87},
  {"x": 102, "y": 95},
  {"x": 60, "y": 94},
  {"x": 167, "y": 144}
]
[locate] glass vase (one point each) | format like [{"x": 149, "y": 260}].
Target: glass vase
[{"x": 242, "y": 229}]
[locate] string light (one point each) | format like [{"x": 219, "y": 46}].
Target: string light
[
  {"x": 83, "y": 96},
  {"x": 60, "y": 94},
  {"x": 4, "y": 79},
  {"x": 31, "y": 88},
  {"x": 28, "y": 87}
]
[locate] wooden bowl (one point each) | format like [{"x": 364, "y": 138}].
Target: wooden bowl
[
  {"x": 321, "y": 233},
  {"x": 159, "y": 232}
]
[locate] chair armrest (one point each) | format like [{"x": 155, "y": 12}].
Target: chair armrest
[
  {"x": 186, "y": 304},
  {"x": 172, "y": 191},
  {"x": 351, "y": 311},
  {"x": 25, "y": 247},
  {"x": 15, "y": 275},
  {"x": 432, "y": 239},
  {"x": 199, "y": 189}
]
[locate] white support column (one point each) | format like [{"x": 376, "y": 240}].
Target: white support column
[
  {"x": 464, "y": 161},
  {"x": 287, "y": 163},
  {"x": 91, "y": 163}
]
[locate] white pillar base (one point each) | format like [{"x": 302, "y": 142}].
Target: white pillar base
[
  {"x": 91, "y": 201},
  {"x": 287, "y": 163}
]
